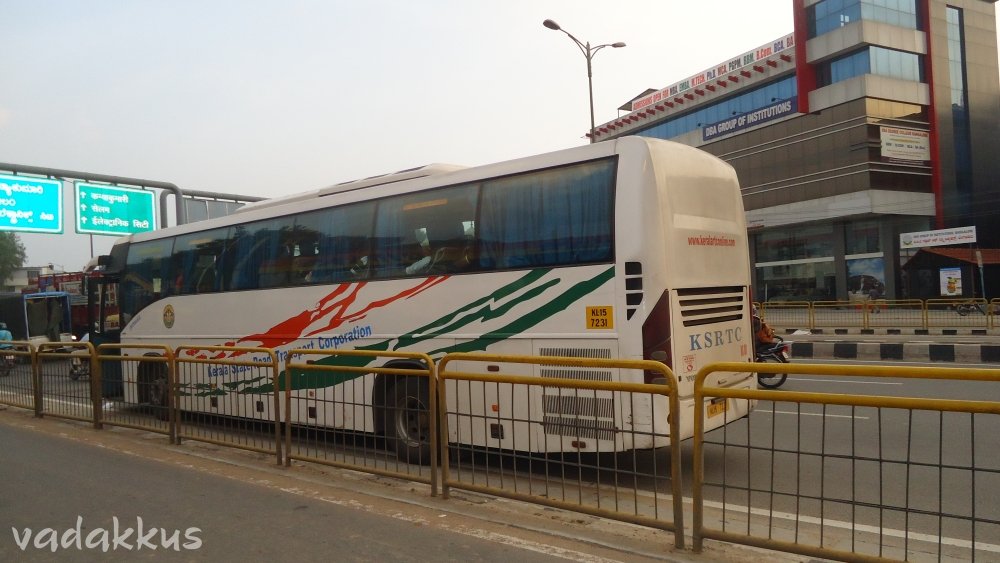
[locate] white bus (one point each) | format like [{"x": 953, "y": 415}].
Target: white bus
[{"x": 634, "y": 248}]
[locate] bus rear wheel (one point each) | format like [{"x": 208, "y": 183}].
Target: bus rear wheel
[{"x": 410, "y": 421}]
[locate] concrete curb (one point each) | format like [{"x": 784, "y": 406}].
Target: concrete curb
[{"x": 910, "y": 351}]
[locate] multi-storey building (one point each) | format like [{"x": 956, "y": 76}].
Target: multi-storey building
[{"x": 871, "y": 124}]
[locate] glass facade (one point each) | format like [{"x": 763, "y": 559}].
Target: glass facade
[
  {"x": 801, "y": 281},
  {"x": 757, "y": 98},
  {"x": 796, "y": 264},
  {"x": 828, "y": 15},
  {"x": 959, "y": 113},
  {"x": 871, "y": 60},
  {"x": 795, "y": 243},
  {"x": 862, "y": 237}
]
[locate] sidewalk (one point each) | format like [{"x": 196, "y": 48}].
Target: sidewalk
[{"x": 536, "y": 529}]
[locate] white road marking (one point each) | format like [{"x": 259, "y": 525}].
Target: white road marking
[
  {"x": 845, "y": 380},
  {"x": 766, "y": 411},
  {"x": 529, "y": 545},
  {"x": 891, "y": 532}
]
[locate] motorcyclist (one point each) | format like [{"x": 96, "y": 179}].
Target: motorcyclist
[
  {"x": 5, "y": 336},
  {"x": 763, "y": 335}
]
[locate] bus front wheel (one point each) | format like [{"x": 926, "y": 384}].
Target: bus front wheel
[
  {"x": 410, "y": 424},
  {"x": 154, "y": 392}
]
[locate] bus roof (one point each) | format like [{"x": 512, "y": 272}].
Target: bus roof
[{"x": 408, "y": 174}]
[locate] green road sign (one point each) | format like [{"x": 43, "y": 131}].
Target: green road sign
[
  {"x": 110, "y": 210},
  {"x": 31, "y": 205}
]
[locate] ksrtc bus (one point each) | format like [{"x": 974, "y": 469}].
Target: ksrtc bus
[{"x": 634, "y": 248}]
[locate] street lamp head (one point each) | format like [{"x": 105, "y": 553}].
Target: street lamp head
[
  {"x": 551, "y": 25},
  {"x": 618, "y": 45}
]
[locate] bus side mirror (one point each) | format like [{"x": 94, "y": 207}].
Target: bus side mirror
[{"x": 104, "y": 260}]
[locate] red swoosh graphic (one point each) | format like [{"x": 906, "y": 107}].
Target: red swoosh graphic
[{"x": 334, "y": 308}]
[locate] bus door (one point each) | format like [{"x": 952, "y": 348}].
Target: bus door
[{"x": 105, "y": 327}]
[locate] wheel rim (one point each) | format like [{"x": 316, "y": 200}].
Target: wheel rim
[
  {"x": 412, "y": 421},
  {"x": 158, "y": 391}
]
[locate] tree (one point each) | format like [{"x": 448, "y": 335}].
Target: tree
[{"x": 12, "y": 256}]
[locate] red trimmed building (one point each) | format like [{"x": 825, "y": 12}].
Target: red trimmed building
[{"x": 873, "y": 120}]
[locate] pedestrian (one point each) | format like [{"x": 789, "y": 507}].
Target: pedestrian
[{"x": 874, "y": 294}]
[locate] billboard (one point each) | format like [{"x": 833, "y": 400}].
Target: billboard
[{"x": 951, "y": 282}]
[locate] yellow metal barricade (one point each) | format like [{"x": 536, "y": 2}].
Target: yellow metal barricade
[
  {"x": 17, "y": 375},
  {"x": 843, "y": 314},
  {"x": 894, "y": 313},
  {"x": 135, "y": 383},
  {"x": 788, "y": 314},
  {"x": 228, "y": 395},
  {"x": 839, "y": 482},
  {"x": 370, "y": 411},
  {"x": 966, "y": 313},
  {"x": 57, "y": 391},
  {"x": 539, "y": 439}
]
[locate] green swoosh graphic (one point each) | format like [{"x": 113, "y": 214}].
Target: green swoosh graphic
[
  {"x": 524, "y": 323},
  {"x": 477, "y": 311}
]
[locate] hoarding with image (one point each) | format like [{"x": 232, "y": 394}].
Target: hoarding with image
[{"x": 951, "y": 282}]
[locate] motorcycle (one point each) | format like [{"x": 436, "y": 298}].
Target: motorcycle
[
  {"x": 777, "y": 352},
  {"x": 7, "y": 362},
  {"x": 79, "y": 367}
]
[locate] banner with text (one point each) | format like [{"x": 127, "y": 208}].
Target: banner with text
[
  {"x": 905, "y": 145},
  {"x": 746, "y": 59},
  {"x": 940, "y": 237},
  {"x": 751, "y": 118}
]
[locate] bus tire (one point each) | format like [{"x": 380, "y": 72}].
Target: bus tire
[
  {"x": 154, "y": 392},
  {"x": 410, "y": 421}
]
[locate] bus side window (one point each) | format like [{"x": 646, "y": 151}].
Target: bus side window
[
  {"x": 448, "y": 246},
  {"x": 340, "y": 242}
]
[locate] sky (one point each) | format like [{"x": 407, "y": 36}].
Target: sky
[{"x": 270, "y": 98}]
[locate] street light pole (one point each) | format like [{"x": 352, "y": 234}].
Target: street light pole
[{"x": 588, "y": 53}]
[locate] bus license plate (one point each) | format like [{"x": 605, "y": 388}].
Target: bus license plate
[{"x": 717, "y": 407}]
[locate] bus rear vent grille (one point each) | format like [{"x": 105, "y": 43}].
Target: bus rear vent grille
[
  {"x": 570, "y": 372},
  {"x": 591, "y": 353},
  {"x": 571, "y": 404},
  {"x": 710, "y": 305},
  {"x": 579, "y": 428},
  {"x": 578, "y": 413}
]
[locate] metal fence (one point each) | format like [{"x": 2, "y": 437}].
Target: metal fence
[
  {"x": 17, "y": 375},
  {"x": 344, "y": 410},
  {"x": 57, "y": 392},
  {"x": 226, "y": 395},
  {"x": 851, "y": 477},
  {"x": 824, "y": 475},
  {"x": 135, "y": 386},
  {"x": 974, "y": 314},
  {"x": 562, "y": 433}
]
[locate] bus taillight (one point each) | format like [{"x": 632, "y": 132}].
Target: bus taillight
[{"x": 656, "y": 337}]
